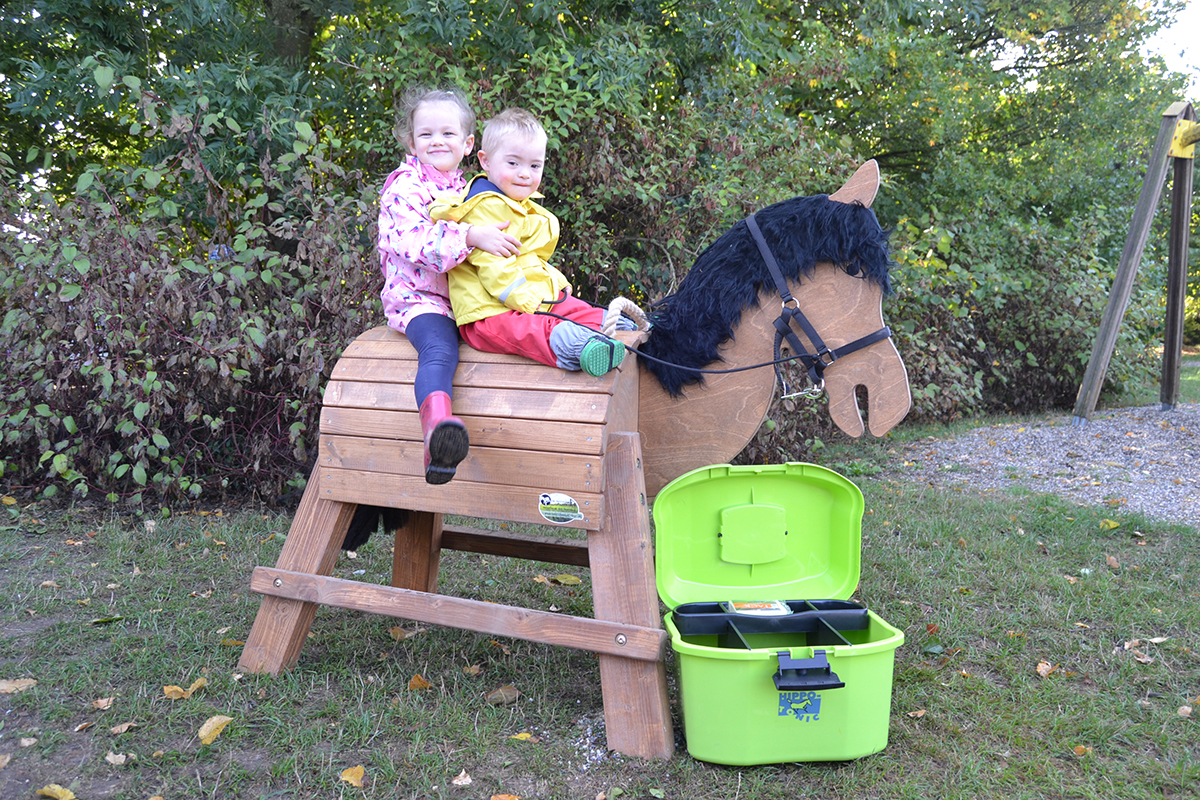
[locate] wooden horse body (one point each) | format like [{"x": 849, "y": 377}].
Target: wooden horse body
[{"x": 549, "y": 447}]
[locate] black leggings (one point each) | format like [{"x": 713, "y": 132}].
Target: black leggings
[{"x": 435, "y": 338}]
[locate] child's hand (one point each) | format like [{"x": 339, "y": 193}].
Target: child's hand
[{"x": 492, "y": 239}]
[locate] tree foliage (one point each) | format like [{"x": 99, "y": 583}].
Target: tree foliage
[{"x": 190, "y": 190}]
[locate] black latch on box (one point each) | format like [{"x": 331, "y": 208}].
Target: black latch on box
[{"x": 805, "y": 674}]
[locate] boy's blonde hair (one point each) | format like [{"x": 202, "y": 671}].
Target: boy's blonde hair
[
  {"x": 418, "y": 96},
  {"x": 509, "y": 123}
]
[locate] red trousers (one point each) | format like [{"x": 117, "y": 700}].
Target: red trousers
[{"x": 529, "y": 334}]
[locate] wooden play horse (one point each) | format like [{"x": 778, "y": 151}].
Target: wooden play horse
[{"x": 560, "y": 448}]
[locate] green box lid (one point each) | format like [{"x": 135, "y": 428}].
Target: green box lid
[{"x": 772, "y": 532}]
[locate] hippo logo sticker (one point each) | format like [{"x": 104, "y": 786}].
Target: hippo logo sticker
[
  {"x": 804, "y": 706},
  {"x": 559, "y": 508}
]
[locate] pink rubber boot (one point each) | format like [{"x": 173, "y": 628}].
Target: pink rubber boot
[{"x": 446, "y": 441}]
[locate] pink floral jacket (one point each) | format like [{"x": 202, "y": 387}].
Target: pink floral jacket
[{"x": 414, "y": 252}]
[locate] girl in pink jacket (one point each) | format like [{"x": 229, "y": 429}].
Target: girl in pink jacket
[{"x": 415, "y": 254}]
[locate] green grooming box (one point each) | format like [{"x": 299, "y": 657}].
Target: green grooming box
[{"x": 776, "y": 664}]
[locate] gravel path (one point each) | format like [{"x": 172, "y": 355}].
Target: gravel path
[{"x": 1139, "y": 458}]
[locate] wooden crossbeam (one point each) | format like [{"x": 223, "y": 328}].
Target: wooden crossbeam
[{"x": 581, "y": 633}]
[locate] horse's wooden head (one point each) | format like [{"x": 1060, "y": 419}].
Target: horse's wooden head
[{"x": 723, "y": 317}]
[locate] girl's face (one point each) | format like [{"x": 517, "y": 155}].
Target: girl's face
[{"x": 438, "y": 138}]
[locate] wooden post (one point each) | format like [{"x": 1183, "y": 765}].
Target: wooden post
[
  {"x": 417, "y": 555},
  {"x": 312, "y": 546},
  {"x": 1177, "y": 268},
  {"x": 637, "y": 716},
  {"x": 1131, "y": 257}
]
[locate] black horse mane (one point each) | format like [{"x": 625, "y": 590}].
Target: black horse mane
[{"x": 690, "y": 325}]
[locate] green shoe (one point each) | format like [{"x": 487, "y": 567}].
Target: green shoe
[{"x": 601, "y": 355}]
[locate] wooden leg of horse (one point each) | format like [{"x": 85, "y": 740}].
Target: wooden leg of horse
[
  {"x": 312, "y": 546},
  {"x": 636, "y": 712},
  {"x": 418, "y": 552}
]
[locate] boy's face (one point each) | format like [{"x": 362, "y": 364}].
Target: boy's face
[
  {"x": 516, "y": 165},
  {"x": 438, "y": 138}
]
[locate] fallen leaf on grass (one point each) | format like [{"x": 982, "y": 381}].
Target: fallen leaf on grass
[
  {"x": 1112, "y": 562},
  {"x": 525, "y": 736},
  {"x": 1044, "y": 669},
  {"x": 179, "y": 693},
  {"x": 920, "y": 712},
  {"x": 474, "y": 669},
  {"x": 566, "y": 580},
  {"x": 504, "y": 696},
  {"x": 122, "y": 728},
  {"x": 8, "y": 500},
  {"x": 1159, "y": 639},
  {"x": 463, "y": 779},
  {"x": 57, "y": 792},
  {"x": 19, "y": 685},
  {"x": 104, "y": 703},
  {"x": 1109, "y": 524},
  {"x": 49, "y": 585},
  {"x": 1081, "y": 750},
  {"x": 83, "y": 726},
  {"x": 212, "y": 728},
  {"x": 354, "y": 775},
  {"x": 505, "y": 797},
  {"x": 116, "y": 759},
  {"x": 28, "y": 741},
  {"x": 503, "y": 647},
  {"x": 4, "y": 759},
  {"x": 1142, "y": 658},
  {"x": 231, "y": 643},
  {"x": 419, "y": 682},
  {"x": 400, "y": 634},
  {"x": 1071, "y": 579},
  {"x": 541, "y": 579},
  {"x": 105, "y": 620},
  {"x": 1184, "y": 711}
]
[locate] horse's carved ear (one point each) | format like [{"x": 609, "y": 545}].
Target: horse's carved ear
[{"x": 862, "y": 186}]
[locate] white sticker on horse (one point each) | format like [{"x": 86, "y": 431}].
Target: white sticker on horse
[{"x": 559, "y": 508}]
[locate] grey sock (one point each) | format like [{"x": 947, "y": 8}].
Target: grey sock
[{"x": 567, "y": 341}]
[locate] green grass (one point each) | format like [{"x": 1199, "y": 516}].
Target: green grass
[
  {"x": 978, "y": 586},
  {"x": 1189, "y": 383}
]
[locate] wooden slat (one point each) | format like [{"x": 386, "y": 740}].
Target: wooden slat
[
  {"x": 531, "y": 547},
  {"x": 553, "y": 471},
  {"x": 518, "y": 434},
  {"x": 528, "y": 375},
  {"x": 519, "y": 504},
  {"x": 470, "y": 401},
  {"x": 597, "y": 636}
]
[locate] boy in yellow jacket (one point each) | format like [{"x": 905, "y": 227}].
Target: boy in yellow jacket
[{"x": 495, "y": 297}]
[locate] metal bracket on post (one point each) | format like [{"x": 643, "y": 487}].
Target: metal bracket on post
[{"x": 1183, "y": 143}]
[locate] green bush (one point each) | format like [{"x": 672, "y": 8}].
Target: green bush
[
  {"x": 174, "y": 294},
  {"x": 171, "y": 326},
  {"x": 999, "y": 314},
  {"x": 155, "y": 350}
]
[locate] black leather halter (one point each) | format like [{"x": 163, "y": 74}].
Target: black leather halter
[{"x": 815, "y": 362}]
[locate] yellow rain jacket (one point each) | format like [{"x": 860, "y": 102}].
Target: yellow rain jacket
[{"x": 486, "y": 285}]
